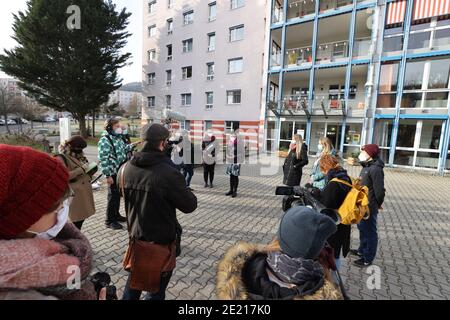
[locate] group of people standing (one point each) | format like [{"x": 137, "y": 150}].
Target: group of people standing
[{"x": 330, "y": 184}]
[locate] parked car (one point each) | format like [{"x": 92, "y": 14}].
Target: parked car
[
  {"x": 49, "y": 119},
  {"x": 11, "y": 122},
  {"x": 24, "y": 121},
  {"x": 2, "y": 122}
]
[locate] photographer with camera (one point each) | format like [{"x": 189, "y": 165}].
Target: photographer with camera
[
  {"x": 153, "y": 190},
  {"x": 296, "y": 266}
]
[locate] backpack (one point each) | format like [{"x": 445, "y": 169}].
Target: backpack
[{"x": 356, "y": 204}]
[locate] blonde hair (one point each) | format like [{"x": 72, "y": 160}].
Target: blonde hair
[
  {"x": 299, "y": 142},
  {"x": 327, "y": 145}
]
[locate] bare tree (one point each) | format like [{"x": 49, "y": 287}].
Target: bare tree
[
  {"x": 29, "y": 109},
  {"x": 7, "y": 103}
]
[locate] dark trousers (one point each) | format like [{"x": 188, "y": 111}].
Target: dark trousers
[
  {"x": 234, "y": 183},
  {"x": 132, "y": 294},
  {"x": 79, "y": 224},
  {"x": 113, "y": 207},
  {"x": 208, "y": 171},
  {"x": 368, "y": 237},
  {"x": 188, "y": 172}
]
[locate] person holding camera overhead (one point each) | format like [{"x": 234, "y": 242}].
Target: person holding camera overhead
[
  {"x": 112, "y": 153},
  {"x": 80, "y": 176}
]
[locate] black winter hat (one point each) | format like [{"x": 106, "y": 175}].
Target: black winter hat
[
  {"x": 303, "y": 232},
  {"x": 155, "y": 132}
]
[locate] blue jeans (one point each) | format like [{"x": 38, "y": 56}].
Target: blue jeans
[
  {"x": 132, "y": 294},
  {"x": 368, "y": 237},
  {"x": 188, "y": 172}
]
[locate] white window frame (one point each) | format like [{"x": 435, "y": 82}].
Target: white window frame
[
  {"x": 152, "y": 7},
  {"x": 169, "y": 57},
  {"x": 186, "y": 45},
  {"x": 210, "y": 6},
  {"x": 151, "y": 102},
  {"x": 151, "y": 78},
  {"x": 185, "y": 71},
  {"x": 236, "y": 4},
  {"x": 210, "y": 76},
  {"x": 169, "y": 26},
  {"x": 151, "y": 55},
  {"x": 209, "y": 104},
  {"x": 230, "y": 64},
  {"x": 168, "y": 81},
  {"x": 188, "y": 17},
  {"x": 168, "y": 105},
  {"x": 151, "y": 33},
  {"x": 233, "y": 30},
  {"x": 170, "y": 4},
  {"x": 184, "y": 99},
  {"x": 211, "y": 44},
  {"x": 232, "y": 92}
]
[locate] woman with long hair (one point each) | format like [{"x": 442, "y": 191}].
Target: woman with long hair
[
  {"x": 317, "y": 178},
  {"x": 295, "y": 161}
]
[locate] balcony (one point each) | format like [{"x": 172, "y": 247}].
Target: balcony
[
  {"x": 361, "y": 48},
  {"x": 323, "y": 105},
  {"x": 277, "y": 15},
  {"x": 332, "y": 5},
  {"x": 298, "y": 57},
  {"x": 299, "y": 9},
  {"x": 332, "y": 52},
  {"x": 293, "y": 105}
]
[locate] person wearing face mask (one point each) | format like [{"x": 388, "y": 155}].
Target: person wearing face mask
[
  {"x": 153, "y": 189},
  {"x": 112, "y": 153},
  {"x": 39, "y": 250},
  {"x": 295, "y": 161},
  {"x": 372, "y": 176},
  {"x": 234, "y": 158},
  {"x": 80, "y": 177},
  {"x": 317, "y": 178}
]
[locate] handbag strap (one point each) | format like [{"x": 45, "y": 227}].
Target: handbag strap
[{"x": 343, "y": 182}]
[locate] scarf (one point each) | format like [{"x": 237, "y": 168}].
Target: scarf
[
  {"x": 43, "y": 265},
  {"x": 307, "y": 275}
]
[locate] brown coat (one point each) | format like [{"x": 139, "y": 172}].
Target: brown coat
[
  {"x": 82, "y": 206},
  {"x": 230, "y": 285}
]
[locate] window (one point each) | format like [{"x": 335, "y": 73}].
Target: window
[
  {"x": 208, "y": 125},
  {"x": 188, "y": 17},
  {"x": 169, "y": 26},
  {"x": 231, "y": 126},
  {"x": 152, "y": 7},
  {"x": 152, "y": 31},
  {"x": 170, "y": 3},
  {"x": 414, "y": 75},
  {"x": 276, "y": 55},
  {"x": 151, "y": 77},
  {"x": 168, "y": 77},
  {"x": 237, "y": 33},
  {"x": 388, "y": 85},
  {"x": 210, "y": 72},
  {"x": 186, "y": 73},
  {"x": 187, "y": 45},
  {"x": 212, "y": 11},
  {"x": 237, "y": 4},
  {"x": 168, "y": 101},
  {"x": 439, "y": 74},
  {"x": 211, "y": 42},
  {"x": 209, "y": 100},
  {"x": 235, "y": 65},
  {"x": 169, "y": 52},
  {"x": 151, "y": 55},
  {"x": 186, "y": 99},
  {"x": 151, "y": 102},
  {"x": 234, "y": 97},
  {"x": 186, "y": 125}
]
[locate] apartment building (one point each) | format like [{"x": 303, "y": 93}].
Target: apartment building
[
  {"x": 206, "y": 60},
  {"x": 362, "y": 71}
]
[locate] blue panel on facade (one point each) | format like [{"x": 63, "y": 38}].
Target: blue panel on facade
[
  {"x": 424, "y": 116},
  {"x": 299, "y": 21},
  {"x": 428, "y": 54},
  {"x": 391, "y": 58},
  {"x": 331, "y": 65},
  {"x": 385, "y": 116},
  {"x": 360, "y": 61},
  {"x": 335, "y": 12}
]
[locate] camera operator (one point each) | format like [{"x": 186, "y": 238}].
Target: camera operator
[{"x": 153, "y": 189}]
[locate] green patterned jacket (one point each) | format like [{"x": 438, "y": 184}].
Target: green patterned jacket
[{"x": 111, "y": 161}]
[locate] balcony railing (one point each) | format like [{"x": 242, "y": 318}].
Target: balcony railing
[
  {"x": 332, "y": 52},
  {"x": 326, "y": 5},
  {"x": 298, "y": 56},
  {"x": 323, "y": 103},
  {"x": 361, "y": 47},
  {"x": 301, "y": 8}
]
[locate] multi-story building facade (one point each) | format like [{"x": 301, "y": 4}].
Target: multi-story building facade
[
  {"x": 205, "y": 60},
  {"x": 362, "y": 71},
  {"x": 127, "y": 99}
]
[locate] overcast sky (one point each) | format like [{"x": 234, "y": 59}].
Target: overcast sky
[{"x": 129, "y": 74}]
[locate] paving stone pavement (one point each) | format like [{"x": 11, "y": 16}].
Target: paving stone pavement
[{"x": 414, "y": 231}]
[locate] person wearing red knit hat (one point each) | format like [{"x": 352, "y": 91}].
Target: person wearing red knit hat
[
  {"x": 372, "y": 176},
  {"x": 38, "y": 248}
]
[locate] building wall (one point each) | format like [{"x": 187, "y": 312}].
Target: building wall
[{"x": 251, "y": 49}]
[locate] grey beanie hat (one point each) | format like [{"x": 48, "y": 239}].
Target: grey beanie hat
[
  {"x": 303, "y": 232},
  {"x": 155, "y": 132}
]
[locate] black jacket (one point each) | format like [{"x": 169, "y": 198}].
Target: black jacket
[
  {"x": 332, "y": 197},
  {"x": 372, "y": 176},
  {"x": 293, "y": 167},
  {"x": 154, "y": 189}
]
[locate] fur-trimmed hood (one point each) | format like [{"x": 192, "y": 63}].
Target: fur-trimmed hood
[{"x": 230, "y": 286}]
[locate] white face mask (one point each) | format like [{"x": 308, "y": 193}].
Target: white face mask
[
  {"x": 320, "y": 148},
  {"x": 362, "y": 157},
  {"x": 118, "y": 131},
  {"x": 125, "y": 132},
  {"x": 61, "y": 220},
  {"x": 294, "y": 142}
]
